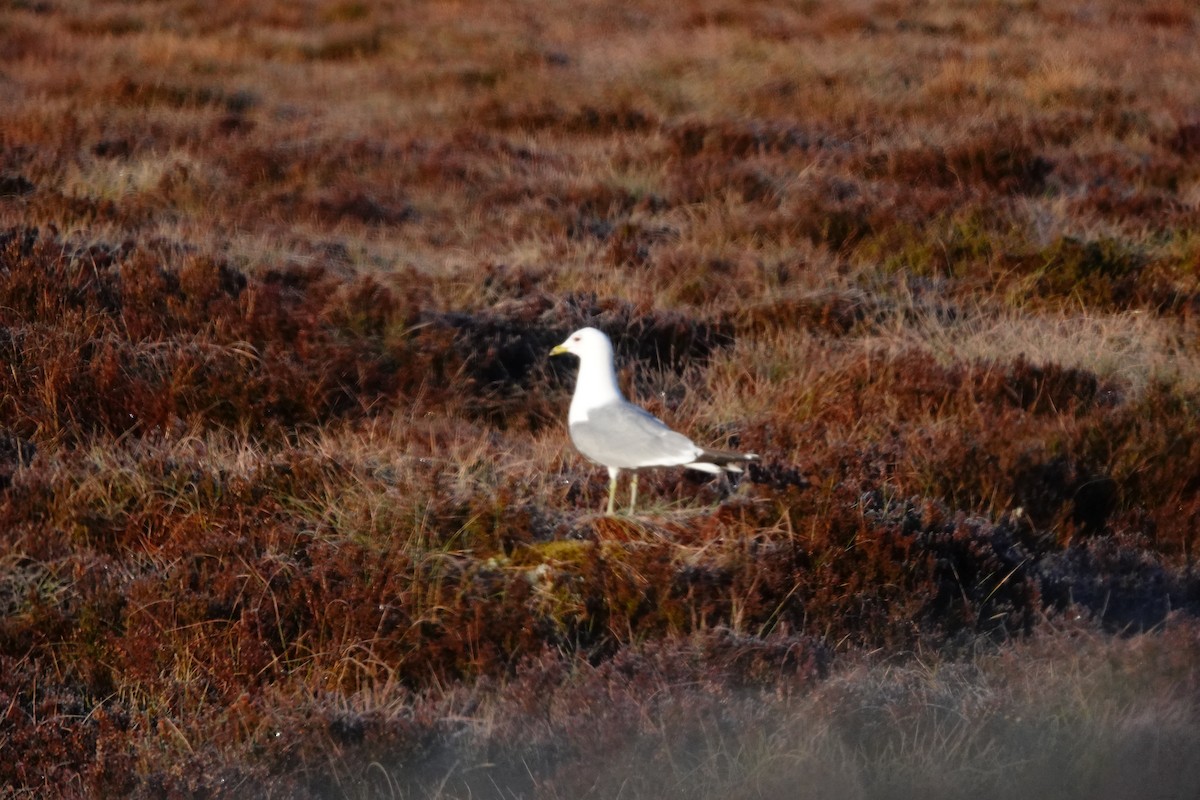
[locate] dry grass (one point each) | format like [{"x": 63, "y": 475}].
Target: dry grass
[{"x": 288, "y": 504}]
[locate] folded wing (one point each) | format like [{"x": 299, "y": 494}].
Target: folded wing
[{"x": 624, "y": 436}]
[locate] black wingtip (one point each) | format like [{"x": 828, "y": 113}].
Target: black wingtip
[{"x": 727, "y": 459}]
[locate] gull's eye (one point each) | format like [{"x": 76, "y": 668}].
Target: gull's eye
[{"x": 577, "y": 339}]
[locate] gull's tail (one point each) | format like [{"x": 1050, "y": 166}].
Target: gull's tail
[{"x": 721, "y": 460}]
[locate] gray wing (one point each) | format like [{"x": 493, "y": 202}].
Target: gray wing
[{"x": 624, "y": 436}]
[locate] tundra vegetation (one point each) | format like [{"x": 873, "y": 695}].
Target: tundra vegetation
[{"x": 287, "y": 504}]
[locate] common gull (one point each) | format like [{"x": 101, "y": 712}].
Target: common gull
[{"x": 611, "y": 431}]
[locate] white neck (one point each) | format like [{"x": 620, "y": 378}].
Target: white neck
[{"x": 595, "y": 386}]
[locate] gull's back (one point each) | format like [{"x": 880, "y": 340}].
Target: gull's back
[{"x": 624, "y": 436}]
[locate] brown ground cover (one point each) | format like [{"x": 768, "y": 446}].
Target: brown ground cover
[{"x": 287, "y": 505}]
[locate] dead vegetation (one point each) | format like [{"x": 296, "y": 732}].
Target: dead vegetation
[{"x": 287, "y": 504}]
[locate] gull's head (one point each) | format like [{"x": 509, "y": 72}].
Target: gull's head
[{"x": 587, "y": 343}]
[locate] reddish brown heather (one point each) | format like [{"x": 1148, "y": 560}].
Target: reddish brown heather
[{"x": 287, "y": 507}]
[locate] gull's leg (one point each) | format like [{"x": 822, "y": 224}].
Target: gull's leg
[
  {"x": 633, "y": 491},
  {"x": 613, "y": 472}
]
